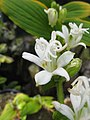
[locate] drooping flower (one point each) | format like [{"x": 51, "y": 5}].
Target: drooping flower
[
  {"x": 75, "y": 35},
  {"x": 47, "y": 59},
  {"x": 52, "y": 16},
  {"x": 82, "y": 90},
  {"x": 64, "y": 109},
  {"x": 79, "y": 96},
  {"x": 82, "y": 114}
]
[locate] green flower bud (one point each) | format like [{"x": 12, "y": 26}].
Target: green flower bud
[
  {"x": 74, "y": 66},
  {"x": 52, "y": 16},
  {"x": 55, "y": 5},
  {"x": 62, "y": 14}
]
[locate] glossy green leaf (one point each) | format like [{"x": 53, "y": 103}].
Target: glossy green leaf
[
  {"x": 20, "y": 97},
  {"x": 58, "y": 116},
  {"x": 47, "y": 2},
  {"x": 29, "y": 15},
  {"x": 8, "y": 113},
  {"x": 77, "y": 9},
  {"x": 86, "y": 24},
  {"x": 31, "y": 108}
]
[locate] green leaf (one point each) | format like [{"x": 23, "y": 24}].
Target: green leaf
[
  {"x": 5, "y": 59},
  {"x": 86, "y": 24},
  {"x": 8, "y": 113},
  {"x": 77, "y": 9},
  {"x": 29, "y": 15},
  {"x": 47, "y": 102},
  {"x": 47, "y": 2},
  {"x": 48, "y": 86},
  {"x": 3, "y": 48},
  {"x": 20, "y": 97},
  {"x": 2, "y": 80},
  {"x": 31, "y": 108},
  {"x": 58, "y": 116}
]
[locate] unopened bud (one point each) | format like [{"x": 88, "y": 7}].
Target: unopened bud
[
  {"x": 74, "y": 66},
  {"x": 62, "y": 14},
  {"x": 55, "y": 5},
  {"x": 52, "y": 16}
]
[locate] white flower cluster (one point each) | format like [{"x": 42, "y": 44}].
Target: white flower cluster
[
  {"x": 73, "y": 37},
  {"x": 49, "y": 53},
  {"x": 80, "y": 99}
]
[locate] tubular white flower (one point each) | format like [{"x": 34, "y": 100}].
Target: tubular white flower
[
  {"x": 75, "y": 100},
  {"x": 64, "y": 109},
  {"x": 52, "y": 16},
  {"x": 79, "y": 95},
  {"x": 41, "y": 48},
  {"x": 47, "y": 59},
  {"x": 75, "y": 30},
  {"x": 85, "y": 114},
  {"x": 73, "y": 37},
  {"x": 81, "y": 89}
]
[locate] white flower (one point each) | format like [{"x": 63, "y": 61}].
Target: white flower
[
  {"x": 73, "y": 37},
  {"x": 79, "y": 96},
  {"x": 77, "y": 31},
  {"x": 52, "y": 16},
  {"x": 82, "y": 114},
  {"x": 85, "y": 114},
  {"x": 45, "y": 49},
  {"x": 53, "y": 67},
  {"x": 81, "y": 88},
  {"x": 47, "y": 59},
  {"x": 64, "y": 109}
]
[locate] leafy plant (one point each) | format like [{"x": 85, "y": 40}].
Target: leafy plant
[{"x": 23, "y": 105}]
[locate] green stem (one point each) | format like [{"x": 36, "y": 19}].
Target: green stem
[{"x": 60, "y": 94}]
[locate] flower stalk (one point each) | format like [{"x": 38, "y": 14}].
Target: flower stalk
[{"x": 60, "y": 93}]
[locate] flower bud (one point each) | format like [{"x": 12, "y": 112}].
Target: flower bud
[
  {"x": 74, "y": 66},
  {"x": 62, "y": 14},
  {"x": 52, "y": 16},
  {"x": 55, "y": 5}
]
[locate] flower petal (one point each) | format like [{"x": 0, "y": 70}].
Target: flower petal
[
  {"x": 75, "y": 100},
  {"x": 32, "y": 58},
  {"x": 60, "y": 34},
  {"x": 64, "y": 109},
  {"x": 61, "y": 72},
  {"x": 65, "y": 32},
  {"x": 41, "y": 47},
  {"x": 53, "y": 36},
  {"x": 65, "y": 58},
  {"x": 43, "y": 77},
  {"x": 81, "y": 43}
]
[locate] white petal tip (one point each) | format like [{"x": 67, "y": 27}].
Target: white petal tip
[{"x": 24, "y": 54}]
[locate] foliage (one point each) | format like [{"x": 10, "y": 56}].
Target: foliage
[
  {"x": 9, "y": 113},
  {"x": 35, "y": 22},
  {"x": 58, "y": 116},
  {"x": 2, "y": 80},
  {"x": 23, "y": 105}
]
